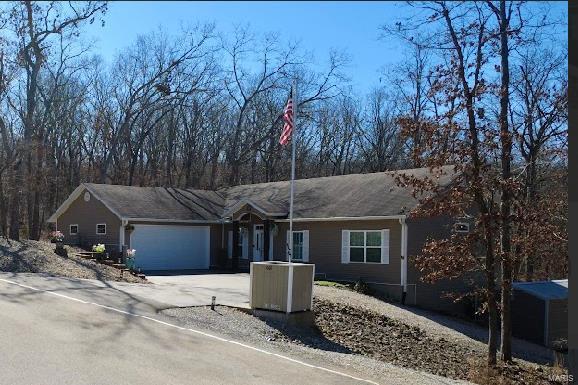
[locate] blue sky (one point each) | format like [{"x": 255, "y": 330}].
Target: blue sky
[{"x": 319, "y": 26}]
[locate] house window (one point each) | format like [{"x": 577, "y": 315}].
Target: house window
[
  {"x": 300, "y": 246},
  {"x": 73, "y": 230},
  {"x": 297, "y": 245},
  {"x": 365, "y": 246},
  {"x": 101, "y": 229}
]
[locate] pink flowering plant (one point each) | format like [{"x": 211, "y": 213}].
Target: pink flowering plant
[
  {"x": 56, "y": 236},
  {"x": 130, "y": 253}
]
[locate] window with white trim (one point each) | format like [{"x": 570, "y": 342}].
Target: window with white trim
[
  {"x": 365, "y": 246},
  {"x": 101, "y": 229},
  {"x": 300, "y": 246},
  {"x": 73, "y": 229}
]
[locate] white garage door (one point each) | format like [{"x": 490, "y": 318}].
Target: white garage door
[{"x": 163, "y": 247}]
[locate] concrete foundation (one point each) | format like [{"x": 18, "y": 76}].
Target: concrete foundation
[{"x": 298, "y": 319}]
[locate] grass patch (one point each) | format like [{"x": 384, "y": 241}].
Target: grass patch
[{"x": 331, "y": 284}]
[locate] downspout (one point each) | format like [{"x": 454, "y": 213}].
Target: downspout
[
  {"x": 222, "y": 234},
  {"x": 121, "y": 239},
  {"x": 403, "y": 280}
]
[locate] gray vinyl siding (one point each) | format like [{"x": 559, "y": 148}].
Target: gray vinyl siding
[
  {"x": 427, "y": 295},
  {"x": 87, "y": 215},
  {"x": 325, "y": 250}
]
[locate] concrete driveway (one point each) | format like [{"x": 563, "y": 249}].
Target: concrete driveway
[{"x": 192, "y": 289}]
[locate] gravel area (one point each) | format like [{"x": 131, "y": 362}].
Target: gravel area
[
  {"x": 410, "y": 346},
  {"x": 38, "y": 257},
  {"x": 303, "y": 344},
  {"x": 450, "y": 328}
]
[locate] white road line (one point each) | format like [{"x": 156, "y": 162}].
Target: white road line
[{"x": 191, "y": 330}]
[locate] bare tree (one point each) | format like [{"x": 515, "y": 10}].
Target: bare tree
[
  {"x": 379, "y": 136},
  {"x": 35, "y": 25}
]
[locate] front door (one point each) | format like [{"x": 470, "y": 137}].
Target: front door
[{"x": 258, "y": 233}]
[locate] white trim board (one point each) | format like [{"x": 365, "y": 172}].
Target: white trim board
[
  {"x": 237, "y": 206},
  {"x": 192, "y": 221},
  {"x": 329, "y": 219}
]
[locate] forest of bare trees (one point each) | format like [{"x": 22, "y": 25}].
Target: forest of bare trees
[{"x": 202, "y": 109}]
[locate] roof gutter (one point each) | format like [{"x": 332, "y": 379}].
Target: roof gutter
[
  {"x": 333, "y": 219},
  {"x": 200, "y": 221}
]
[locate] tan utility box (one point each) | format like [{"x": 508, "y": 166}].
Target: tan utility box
[{"x": 282, "y": 286}]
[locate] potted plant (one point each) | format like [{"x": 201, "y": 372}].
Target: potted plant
[
  {"x": 57, "y": 238},
  {"x": 130, "y": 253},
  {"x": 99, "y": 249}
]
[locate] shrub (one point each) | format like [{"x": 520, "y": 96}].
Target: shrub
[
  {"x": 362, "y": 287},
  {"x": 99, "y": 248}
]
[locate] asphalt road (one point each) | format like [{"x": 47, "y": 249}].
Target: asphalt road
[{"x": 56, "y": 331}]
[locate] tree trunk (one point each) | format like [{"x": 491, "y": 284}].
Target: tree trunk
[
  {"x": 36, "y": 226},
  {"x": 530, "y": 258},
  {"x": 235, "y": 172},
  {"x": 15, "y": 208},
  {"x": 492, "y": 300},
  {"x": 3, "y": 212},
  {"x": 505, "y": 208}
]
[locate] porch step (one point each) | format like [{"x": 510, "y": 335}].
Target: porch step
[{"x": 85, "y": 255}]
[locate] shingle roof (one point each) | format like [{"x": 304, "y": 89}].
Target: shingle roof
[
  {"x": 556, "y": 289},
  {"x": 354, "y": 195},
  {"x": 159, "y": 202}
]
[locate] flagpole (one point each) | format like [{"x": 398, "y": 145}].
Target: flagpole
[{"x": 292, "y": 189}]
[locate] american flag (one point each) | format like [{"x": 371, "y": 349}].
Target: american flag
[{"x": 288, "y": 122}]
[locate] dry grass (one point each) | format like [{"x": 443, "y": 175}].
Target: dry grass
[{"x": 514, "y": 374}]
